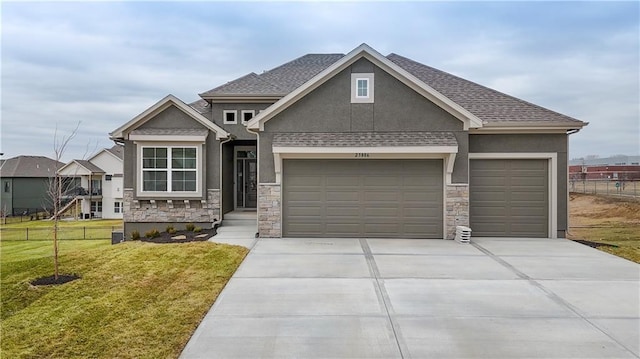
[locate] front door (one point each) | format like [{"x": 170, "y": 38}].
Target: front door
[{"x": 246, "y": 168}]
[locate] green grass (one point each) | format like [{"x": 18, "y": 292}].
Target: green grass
[
  {"x": 43, "y": 230},
  {"x": 625, "y": 237},
  {"x": 66, "y": 224},
  {"x": 135, "y": 299}
]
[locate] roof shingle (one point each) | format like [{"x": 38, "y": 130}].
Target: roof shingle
[
  {"x": 363, "y": 139},
  {"x": 491, "y": 106},
  {"x": 278, "y": 81},
  {"x": 30, "y": 166}
]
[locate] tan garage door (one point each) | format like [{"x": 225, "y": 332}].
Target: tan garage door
[
  {"x": 509, "y": 198},
  {"x": 363, "y": 198}
]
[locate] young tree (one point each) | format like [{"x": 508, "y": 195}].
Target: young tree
[{"x": 58, "y": 188}]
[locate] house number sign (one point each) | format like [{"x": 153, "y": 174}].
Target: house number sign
[{"x": 362, "y": 155}]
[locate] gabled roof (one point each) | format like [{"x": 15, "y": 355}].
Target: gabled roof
[
  {"x": 493, "y": 107},
  {"x": 365, "y": 51},
  {"x": 278, "y": 81},
  {"x": 478, "y": 105},
  {"x": 116, "y": 150},
  {"x": 29, "y": 167},
  {"x": 82, "y": 167},
  {"x": 122, "y": 132}
]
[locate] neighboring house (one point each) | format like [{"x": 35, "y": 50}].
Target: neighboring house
[
  {"x": 25, "y": 184},
  {"x": 99, "y": 194},
  {"x": 355, "y": 145}
]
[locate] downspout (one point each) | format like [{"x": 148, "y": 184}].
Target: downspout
[{"x": 257, "y": 133}]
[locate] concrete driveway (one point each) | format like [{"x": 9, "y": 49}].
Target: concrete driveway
[{"x": 395, "y": 298}]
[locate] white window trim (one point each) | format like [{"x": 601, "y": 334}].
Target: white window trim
[
  {"x": 243, "y": 112},
  {"x": 117, "y": 207},
  {"x": 235, "y": 117},
  {"x": 172, "y": 194},
  {"x": 370, "y": 88},
  {"x": 552, "y": 157}
]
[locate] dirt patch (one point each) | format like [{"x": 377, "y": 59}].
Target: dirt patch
[
  {"x": 182, "y": 236},
  {"x": 594, "y": 244},
  {"x": 51, "y": 280},
  {"x": 611, "y": 224},
  {"x": 589, "y": 210}
]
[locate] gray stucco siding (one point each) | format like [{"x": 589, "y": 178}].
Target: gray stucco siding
[
  {"x": 399, "y": 108},
  {"x": 171, "y": 118},
  {"x": 239, "y": 130},
  {"x": 328, "y": 108},
  {"x": 519, "y": 143}
]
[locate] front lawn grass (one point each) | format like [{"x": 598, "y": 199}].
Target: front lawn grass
[
  {"x": 134, "y": 300},
  {"x": 43, "y": 229},
  {"x": 607, "y": 220}
]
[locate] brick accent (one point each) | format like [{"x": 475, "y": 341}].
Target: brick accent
[
  {"x": 457, "y": 208},
  {"x": 171, "y": 210},
  {"x": 269, "y": 210}
]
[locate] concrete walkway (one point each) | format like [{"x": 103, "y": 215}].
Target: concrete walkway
[
  {"x": 237, "y": 228},
  {"x": 390, "y": 298}
]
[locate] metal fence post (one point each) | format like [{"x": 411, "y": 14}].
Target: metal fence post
[
  {"x": 27, "y": 233},
  {"x": 84, "y": 232}
]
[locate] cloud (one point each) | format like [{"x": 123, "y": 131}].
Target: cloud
[{"x": 103, "y": 63}]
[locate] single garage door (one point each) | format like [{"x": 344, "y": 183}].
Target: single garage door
[
  {"x": 363, "y": 198},
  {"x": 509, "y": 198}
]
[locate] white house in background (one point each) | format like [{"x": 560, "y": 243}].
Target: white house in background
[{"x": 99, "y": 194}]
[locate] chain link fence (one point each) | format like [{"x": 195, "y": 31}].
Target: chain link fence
[{"x": 606, "y": 186}]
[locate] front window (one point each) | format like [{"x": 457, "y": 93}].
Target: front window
[
  {"x": 117, "y": 207},
  {"x": 169, "y": 169},
  {"x": 362, "y": 88},
  {"x": 96, "y": 206},
  {"x": 247, "y": 115}
]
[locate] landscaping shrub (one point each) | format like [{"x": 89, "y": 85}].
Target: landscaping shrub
[
  {"x": 135, "y": 235},
  {"x": 152, "y": 233},
  {"x": 197, "y": 229},
  {"x": 190, "y": 226},
  {"x": 170, "y": 229}
]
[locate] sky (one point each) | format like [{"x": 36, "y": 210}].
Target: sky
[{"x": 97, "y": 65}]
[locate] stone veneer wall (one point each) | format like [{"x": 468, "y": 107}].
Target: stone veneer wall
[
  {"x": 269, "y": 210},
  {"x": 457, "y": 208},
  {"x": 175, "y": 210}
]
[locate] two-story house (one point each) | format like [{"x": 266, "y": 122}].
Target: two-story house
[
  {"x": 355, "y": 145},
  {"x": 100, "y": 184}
]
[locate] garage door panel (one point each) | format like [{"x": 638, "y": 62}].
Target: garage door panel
[
  {"x": 367, "y": 198},
  {"x": 509, "y": 197}
]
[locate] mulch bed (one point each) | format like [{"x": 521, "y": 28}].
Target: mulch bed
[
  {"x": 51, "y": 280},
  {"x": 594, "y": 244},
  {"x": 182, "y": 236}
]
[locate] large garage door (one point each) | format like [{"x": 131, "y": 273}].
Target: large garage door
[
  {"x": 363, "y": 198},
  {"x": 509, "y": 198}
]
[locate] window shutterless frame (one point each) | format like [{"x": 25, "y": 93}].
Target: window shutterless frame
[
  {"x": 247, "y": 115},
  {"x": 169, "y": 171},
  {"x": 362, "y": 87},
  {"x": 229, "y": 117}
]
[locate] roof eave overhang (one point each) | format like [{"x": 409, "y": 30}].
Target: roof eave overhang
[
  {"x": 240, "y": 98},
  {"x": 365, "y": 51},
  {"x": 432, "y": 149},
  {"x": 62, "y": 171},
  {"x": 526, "y": 128},
  {"x": 122, "y": 133},
  {"x": 168, "y": 138}
]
